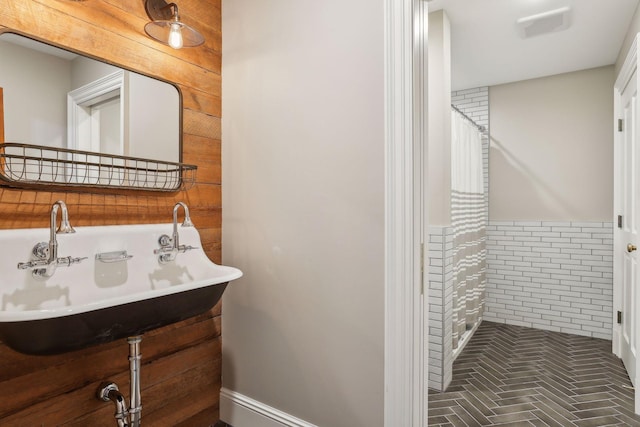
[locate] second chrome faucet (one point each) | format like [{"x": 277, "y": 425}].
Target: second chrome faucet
[{"x": 170, "y": 247}]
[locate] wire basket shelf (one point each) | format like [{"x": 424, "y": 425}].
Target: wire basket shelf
[{"x": 34, "y": 164}]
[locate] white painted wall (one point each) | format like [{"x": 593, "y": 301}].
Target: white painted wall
[
  {"x": 439, "y": 77},
  {"x": 154, "y": 119},
  {"x": 551, "y": 156},
  {"x": 86, "y": 70},
  {"x": 109, "y": 121},
  {"x": 303, "y": 217},
  {"x": 35, "y": 96}
]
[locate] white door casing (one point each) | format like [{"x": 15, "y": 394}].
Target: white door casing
[
  {"x": 79, "y": 103},
  {"x": 627, "y": 218},
  {"x": 629, "y": 230},
  {"x": 405, "y": 402}
]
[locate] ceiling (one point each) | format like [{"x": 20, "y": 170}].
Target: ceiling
[
  {"x": 487, "y": 49},
  {"x": 36, "y": 45}
]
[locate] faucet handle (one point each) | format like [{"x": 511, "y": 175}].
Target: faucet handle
[
  {"x": 41, "y": 250},
  {"x": 30, "y": 265},
  {"x": 165, "y": 241},
  {"x": 185, "y": 248},
  {"x": 69, "y": 261}
]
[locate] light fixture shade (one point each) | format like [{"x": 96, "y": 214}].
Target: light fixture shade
[
  {"x": 166, "y": 27},
  {"x": 160, "y": 31}
]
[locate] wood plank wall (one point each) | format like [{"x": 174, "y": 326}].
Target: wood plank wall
[{"x": 181, "y": 362}]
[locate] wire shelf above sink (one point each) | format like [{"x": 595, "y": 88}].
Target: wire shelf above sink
[{"x": 25, "y": 165}]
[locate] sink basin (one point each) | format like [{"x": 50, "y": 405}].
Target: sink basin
[{"x": 120, "y": 290}]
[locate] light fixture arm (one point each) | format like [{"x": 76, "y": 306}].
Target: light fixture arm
[
  {"x": 160, "y": 10},
  {"x": 175, "y": 14}
]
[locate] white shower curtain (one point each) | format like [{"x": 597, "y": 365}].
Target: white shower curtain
[{"x": 469, "y": 223}]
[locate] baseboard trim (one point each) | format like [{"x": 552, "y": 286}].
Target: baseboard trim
[{"x": 242, "y": 411}]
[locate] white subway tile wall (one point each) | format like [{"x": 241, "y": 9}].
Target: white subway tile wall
[
  {"x": 440, "y": 252},
  {"x": 475, "y": 104},
  {"x": 556, "y": 276}
]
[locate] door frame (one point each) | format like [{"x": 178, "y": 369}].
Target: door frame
[
  {"x": 626, "y": 73},
  {"x": 405, "y": 93},
  {"x": 79, "y": 100}
]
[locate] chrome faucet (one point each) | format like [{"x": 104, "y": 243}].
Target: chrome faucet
[
  {"x": 65, "y": 228},
  {"x": 170, "y": 246},
  {"x": 45, "y": 255}
]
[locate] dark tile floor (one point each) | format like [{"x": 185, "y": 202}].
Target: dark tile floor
[{"x": 516, "y": 376}]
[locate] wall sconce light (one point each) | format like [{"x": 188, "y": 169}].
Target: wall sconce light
[{"x": 165, "y": 25}]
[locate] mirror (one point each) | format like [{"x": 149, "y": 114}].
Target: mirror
[{"x": 61, "y": 100}]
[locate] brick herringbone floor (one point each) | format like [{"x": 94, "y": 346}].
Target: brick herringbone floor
[{"x": 516, "y": 376}]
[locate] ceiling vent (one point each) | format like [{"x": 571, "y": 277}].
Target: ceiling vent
[{"x": 543, "y": 23}]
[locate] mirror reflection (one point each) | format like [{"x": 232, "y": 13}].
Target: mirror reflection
[{"x": 59, "y": 99}]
